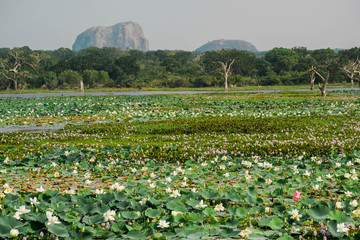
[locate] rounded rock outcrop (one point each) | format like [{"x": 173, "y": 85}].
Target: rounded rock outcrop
[
  {"x": 127, "y": 35},
  {"x": 227, "y": 44}
]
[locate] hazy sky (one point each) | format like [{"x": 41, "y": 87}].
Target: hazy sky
[{"x": 185, "y": 24}]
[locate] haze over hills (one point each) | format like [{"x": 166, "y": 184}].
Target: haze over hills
[
  {"x": 227, "y": 44},
  {"x": 127, "y": 35}
]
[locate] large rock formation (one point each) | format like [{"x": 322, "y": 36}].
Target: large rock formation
[
  {"x": 227, "y": 44},
  {"x": 125, "y": 35}
]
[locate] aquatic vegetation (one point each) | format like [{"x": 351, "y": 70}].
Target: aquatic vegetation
[
  {"x": 98, "y": 195},
  {"x": 181, "y": 167}
]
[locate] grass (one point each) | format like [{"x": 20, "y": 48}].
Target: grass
[
  {"x": 245, "y": 88},
  {"x": 160, "y": 168}
]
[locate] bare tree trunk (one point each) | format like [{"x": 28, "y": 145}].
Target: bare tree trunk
[
  {"x": 226, "y": 81},
  {"x": 322, "y": 86},
  {"x": 322, "y": 90},
  {"x": 226, "y": 69},
  {"x": 312, "y": 78},
  {"x": 81, "y": 85},
  {"x": 15, "y": 81}
]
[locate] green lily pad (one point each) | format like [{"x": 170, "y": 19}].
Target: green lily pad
[{"x": 319, "y": 211}]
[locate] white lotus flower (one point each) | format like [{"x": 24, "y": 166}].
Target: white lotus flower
[
  {"x": 70, "y": 191},
  {"x": 354, "y": 203},
  {"x": 341, "y": 228},
  {"x": 174, "y": 213},
  {"x": 204, "y": 164},
  {"x": 17, "y": 216},
  {"x": 356, "y": 212},
  {"x": 219, "y": 207},
  {"x": 175, "y": 194},
  {"x": 179, "y": 169},
  {"x": 143, "y": 201},
  {"x": 295, "y": 214},
  {"x": 349, "y": 194},
  {"x": 245, "y": 233},
  {"x": 328, "y": 176},
  {"x": 14, "y": 232},
  {"x": 22, "y": 209},
  {"x": 52, "y": 219},
  {"x": 99, "y": 191},
  {"x": 201, "y": 204},
  {"x": 163, "y": 224},
  {"x": 88, "y": 182},
  {"x": 109, "y": 215},
  {"x": 8, "y": 190},
  {"x": 34, "y": 201},
  {"x": 117, "y": 187},
  {"x": 40, "y": 189}
]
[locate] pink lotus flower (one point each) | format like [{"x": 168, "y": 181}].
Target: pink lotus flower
[{"x": 296, "y": 195}]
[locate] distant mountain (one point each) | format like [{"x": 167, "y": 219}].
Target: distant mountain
[
  {"x": 125, "y": 35},
  {"x": 337, "y": 50},
  {"x": 227, "y": 44}
]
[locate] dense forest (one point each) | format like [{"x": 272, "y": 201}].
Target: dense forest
[{"x": 23, "y": 68}]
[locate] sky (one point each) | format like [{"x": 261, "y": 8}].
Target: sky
[{"x": 185, "y": 24}]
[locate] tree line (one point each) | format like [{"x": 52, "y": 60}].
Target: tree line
[{"x": 22, "y": 68}]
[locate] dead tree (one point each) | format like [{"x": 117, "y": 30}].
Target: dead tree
[
  {"x": 226, "y": 71},
  {"x": 352, "y": 70},
  {"x": 312, "y": 78},
  {"x": 12, "y": 69},
  {"x": 324, "y": 81}
]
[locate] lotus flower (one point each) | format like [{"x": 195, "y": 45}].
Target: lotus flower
[{"x": 296, "y": 195}]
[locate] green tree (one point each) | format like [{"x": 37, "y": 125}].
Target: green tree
[
  {"x": 128, "y": 65},
  {"x": 70, "y": 78},
  {"x": 282, "y": 59},
  {"x": 171, "y": 64},
  {"x": 93, "y": 78}
]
